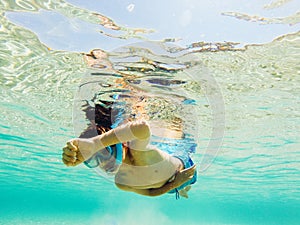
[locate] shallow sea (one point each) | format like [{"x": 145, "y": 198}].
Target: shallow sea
[{"x": 239, "y": 103}]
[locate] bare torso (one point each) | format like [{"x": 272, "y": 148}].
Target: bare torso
[{"x": 147, "y": 169}]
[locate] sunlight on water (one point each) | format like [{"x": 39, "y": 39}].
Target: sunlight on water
[
  {"x": 291, "y": 20},
  {"x": 276, "y": 4},
  {"x": 260, "y": 86}
]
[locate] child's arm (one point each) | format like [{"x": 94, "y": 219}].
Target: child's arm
[
  {"x": 80, "y": 149},
  {"x": 128, "y": 132}
]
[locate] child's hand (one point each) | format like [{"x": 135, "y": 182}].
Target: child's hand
[
  {"x": 77, "y": 151},
  {"x": 184, "y": 176}
]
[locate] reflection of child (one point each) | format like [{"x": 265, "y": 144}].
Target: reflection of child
[{"x": 123, "y": 149}]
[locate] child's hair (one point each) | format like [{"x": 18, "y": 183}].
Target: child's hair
[{"x": 99, "y": 118}]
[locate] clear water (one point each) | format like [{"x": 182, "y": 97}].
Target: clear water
[{"x": 253, "y": 180}]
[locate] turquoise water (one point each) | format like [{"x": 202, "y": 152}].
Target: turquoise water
[{"x": 253, "y": 180}]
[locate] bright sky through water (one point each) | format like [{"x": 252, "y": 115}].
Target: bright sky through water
[{"x": 188, "y": 20}]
